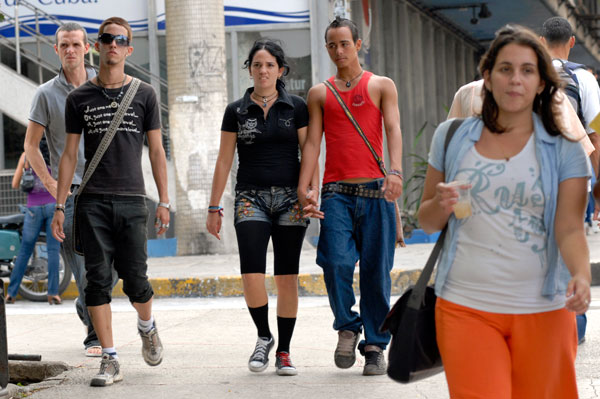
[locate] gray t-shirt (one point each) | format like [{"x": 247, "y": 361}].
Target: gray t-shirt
[{"x": 48, "y": 110}]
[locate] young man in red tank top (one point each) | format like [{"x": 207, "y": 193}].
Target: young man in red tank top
[{"x": 357, "y": 208}]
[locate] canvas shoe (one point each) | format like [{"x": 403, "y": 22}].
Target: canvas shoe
[
  {"x": 284, "y": 365},
  {"x": 259, "y": 360},
  {"x": 109, "y": 373}
]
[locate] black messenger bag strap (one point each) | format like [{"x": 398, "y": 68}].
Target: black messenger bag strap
[{"x": 418, "y": 292}]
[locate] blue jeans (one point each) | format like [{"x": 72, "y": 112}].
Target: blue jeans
[
  {"x": 358, "y": 228},
  {"x": 36, "y": 218}
]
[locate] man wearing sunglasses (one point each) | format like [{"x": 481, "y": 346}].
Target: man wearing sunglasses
[
  {"x": 47, "y": 117},
  {"x": 111, "y": 211}
]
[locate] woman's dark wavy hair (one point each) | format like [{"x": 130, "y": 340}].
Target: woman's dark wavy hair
[
  {"x": 274, "y": 48},
  {"x": 542, "y": 103}
]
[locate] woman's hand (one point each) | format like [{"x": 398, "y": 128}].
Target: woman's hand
[
  {"x": 309, "y": 202},
  {"x": 578, "y": 294},
  {"x": 213, "y": 224},
  {"x": 446, "y": 196}
]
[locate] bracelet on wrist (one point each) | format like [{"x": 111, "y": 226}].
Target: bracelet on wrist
[
  {"x": 164, "y": 205},
  {"x": 57, "y": 209},
  {"x": 396, "y": 172},
  {"x": 215, "y": 209}
]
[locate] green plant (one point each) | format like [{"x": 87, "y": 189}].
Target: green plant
[{"x": 413, "y": 186}]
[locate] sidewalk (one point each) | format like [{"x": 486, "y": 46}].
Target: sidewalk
[{"x": 218, "y": 275}]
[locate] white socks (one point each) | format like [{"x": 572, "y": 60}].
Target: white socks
[
  {"x": 111, "y": 351},
  {"x": 145, "y": 325}
]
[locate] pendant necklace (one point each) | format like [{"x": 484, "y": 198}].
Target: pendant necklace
[
  {"x": 114, "y": 101},
  {"x": 265, "y": 99},
  {"x": 349, "y": 82},
  {"x": 501, "y": 149}
]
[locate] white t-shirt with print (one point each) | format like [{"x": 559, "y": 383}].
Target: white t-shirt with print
[{"x": 505, "y": 235}]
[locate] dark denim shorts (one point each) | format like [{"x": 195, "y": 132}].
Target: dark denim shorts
[{"x": 275, "y": 205}]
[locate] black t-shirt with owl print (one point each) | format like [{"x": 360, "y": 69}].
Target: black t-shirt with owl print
[{"x": 268, "y": 149}]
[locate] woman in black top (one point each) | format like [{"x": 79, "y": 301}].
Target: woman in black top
[{"x": 268, "y": 125}]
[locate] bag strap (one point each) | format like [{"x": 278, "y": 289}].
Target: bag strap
[
  {"x": 111, "y": 131},
  {"x": 418, "y": 292},
  {"x": 337, "y": 96}
]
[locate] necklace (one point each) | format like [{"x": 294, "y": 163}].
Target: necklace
[
  {"x": 265, "y": 99},
  {"x": 506, "y": 158},
  {"x": 349, "y": 82},
  {"x": 114, "y": 101}
]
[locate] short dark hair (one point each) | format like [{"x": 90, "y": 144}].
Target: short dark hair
[
  {"x": 70, "y": 27},
  {"x": 557, "y": 31},
  {"x": 542, "y": 103},
  {"x": 274, "y": 48},
  {"x": 340, "y": 22},
  {"x": 117, "y": 21}
]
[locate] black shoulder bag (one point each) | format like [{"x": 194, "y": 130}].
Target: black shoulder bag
[{"x": 413, "y": 353}]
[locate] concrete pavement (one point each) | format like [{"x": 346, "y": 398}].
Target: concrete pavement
[
  {"x": 207, "y": 344},
  {"x": 218, "y": 275}
]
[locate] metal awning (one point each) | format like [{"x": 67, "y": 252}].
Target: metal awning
[{"x": 465, "y": 16}]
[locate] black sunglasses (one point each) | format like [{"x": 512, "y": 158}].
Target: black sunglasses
[{"x": 107, "y": 38}]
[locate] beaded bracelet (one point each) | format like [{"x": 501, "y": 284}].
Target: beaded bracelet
[
  {"x": 215, "y": 209},
  {"x": 396, "y": 172}
]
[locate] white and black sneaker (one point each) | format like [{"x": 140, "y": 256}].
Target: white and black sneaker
[
  {"x": 260, "y": 357},
  {"x": 110, "y": 372}
]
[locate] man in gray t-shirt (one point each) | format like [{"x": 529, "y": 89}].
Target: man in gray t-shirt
[{"x": 48, "y": 116}]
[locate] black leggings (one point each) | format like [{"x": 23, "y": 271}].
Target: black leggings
[{"x": 253, "y": 239}]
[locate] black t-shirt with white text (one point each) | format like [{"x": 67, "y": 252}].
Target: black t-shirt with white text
[{"x": 89, "y": 112}]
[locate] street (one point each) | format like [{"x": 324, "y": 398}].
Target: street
[{"x": 207, "y": 344}]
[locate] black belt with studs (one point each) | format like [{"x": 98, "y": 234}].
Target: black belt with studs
[{"x": 357, "y": 190}]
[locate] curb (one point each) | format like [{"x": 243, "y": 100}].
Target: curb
[{"x": 231, "y": 286}]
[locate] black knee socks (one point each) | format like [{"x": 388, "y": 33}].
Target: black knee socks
[
  {"x": 260, "y": 316},
  {"x": 285, "y": 327}
]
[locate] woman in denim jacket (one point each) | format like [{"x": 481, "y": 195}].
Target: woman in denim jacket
[
  {"x": 513, "y": 274},
  {"x": 268, "y": 126}
]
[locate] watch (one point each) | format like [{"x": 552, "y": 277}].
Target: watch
[{"x": 164, "y": 205}]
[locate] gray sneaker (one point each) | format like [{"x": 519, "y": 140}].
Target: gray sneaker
[
  {"x": 109, "y": 373},
  {"x": 152, "y": 349},
  {"x": 345, "y": 352},
  {"x": 374, "y": 362},
  {"x": 259, "y": 360}
]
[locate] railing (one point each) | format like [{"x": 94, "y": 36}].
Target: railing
[{"x": 139, "y": 71}]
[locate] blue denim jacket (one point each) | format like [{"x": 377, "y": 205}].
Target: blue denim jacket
[{"x": 559, "y": 160}]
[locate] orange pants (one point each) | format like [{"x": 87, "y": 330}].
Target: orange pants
[{"x": 507, "y": 356}]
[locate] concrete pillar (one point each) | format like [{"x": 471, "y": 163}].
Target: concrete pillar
[
  {"x": 153, "y": 48},
  {"x": 195, "y": 37}
]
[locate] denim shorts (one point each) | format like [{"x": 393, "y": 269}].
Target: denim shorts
[{"x": 275, "y": 205}]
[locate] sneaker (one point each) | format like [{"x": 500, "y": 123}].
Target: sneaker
[
  {"x": 152, "y": 349},
  {"x": 345, "y": 352},
  {"x": 374, "y": 362},
  {"x": 284, "y": 365},
  {"x": 260, "y": 357},
  {"x": 109, "y": 373}
]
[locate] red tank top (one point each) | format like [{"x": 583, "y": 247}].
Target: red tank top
[{"x": 347, "y": 155}]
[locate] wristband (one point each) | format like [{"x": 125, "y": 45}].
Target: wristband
[
  {"x": 164, "y": 205},
  {"x": 60, "y": 207},
  {"x": 215, "y": 209},
  {"x": 57, "y": 209}
]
